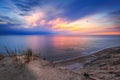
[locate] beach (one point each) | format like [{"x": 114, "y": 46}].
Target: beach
[
  {"x": 59, "y": 40},
  {"x": 102, "y": 65}
]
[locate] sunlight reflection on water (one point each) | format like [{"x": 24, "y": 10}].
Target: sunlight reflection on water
[{"x": 55, "y": 48}]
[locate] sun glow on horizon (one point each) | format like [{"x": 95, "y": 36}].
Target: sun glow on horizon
[
  {"x": 86, "y": 25},
  {"x": 74, "y": 17}
]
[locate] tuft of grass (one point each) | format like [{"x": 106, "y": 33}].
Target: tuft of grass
[
  {"x": 14, "y": 56},
  {"x": 1, "y": 56},
  {"x": 28, "y": 56},
  {"x": 8, "y": 51},
  {"x": 19, "y": 57}
]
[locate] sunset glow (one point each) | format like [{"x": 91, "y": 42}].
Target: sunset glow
[{"x": 50, "y": 18}]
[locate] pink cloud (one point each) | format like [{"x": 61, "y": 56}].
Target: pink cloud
[{"x": 42, "y": 22}]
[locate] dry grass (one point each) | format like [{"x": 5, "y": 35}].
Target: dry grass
[
  {"x": 28, "y": 56},
  {"x": 13, "y": 55},
  {"x": 19, "y": 57},
  {"x": 1, "y": 56}
]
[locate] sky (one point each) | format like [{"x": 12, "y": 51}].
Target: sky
[{"x": 62, "y": 17}]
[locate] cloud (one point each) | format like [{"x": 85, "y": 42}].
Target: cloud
[
  {"x": 115, "y": 16},
  {"x": 58, "y": 16},
  {"x": 7, "y": 30},
  {"x": 82, "y": 8}
]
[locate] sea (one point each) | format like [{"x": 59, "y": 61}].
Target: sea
[{"x": 57, "y": 48}]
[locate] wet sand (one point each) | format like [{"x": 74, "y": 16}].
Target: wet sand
[{"x": 86, "y": 59}]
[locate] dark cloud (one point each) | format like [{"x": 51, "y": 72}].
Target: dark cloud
[
  {"x": 115, "y": 13},
  {"x": 114, "y": 28},
  {"x": 24, "y": 5},
  {"x": 6, "y": 30},
  {"x": 115, "y": 18},
  {"x": 82, "y": 8},
  {"x": 72, "y": 9}
]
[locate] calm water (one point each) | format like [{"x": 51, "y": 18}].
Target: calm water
[{"x": 57, "y": 48}]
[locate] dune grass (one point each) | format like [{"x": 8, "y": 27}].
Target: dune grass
[
  {"x": 1, "y": 56},
  {"x": 19, "y": 57},
  {"x": 28, "y": 55}
]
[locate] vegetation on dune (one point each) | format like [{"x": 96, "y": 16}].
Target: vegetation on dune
[
  {"x": 1, "y": 56},
  {"x": 19, "y": 57},
  {"x": 28, "y": 55}
]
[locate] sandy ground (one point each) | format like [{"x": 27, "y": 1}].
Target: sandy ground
[
  {"x": 35, "y": 70},
  {"x": 103, "y": 65},
  {"x": 106, "y": 65}
]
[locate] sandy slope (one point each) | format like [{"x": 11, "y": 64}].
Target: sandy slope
[
  {"x": 105, "y": 65},
  {"x": 35, "y": 70}
]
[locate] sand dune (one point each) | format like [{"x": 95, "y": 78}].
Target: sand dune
[{"x": 104, "y": 65}]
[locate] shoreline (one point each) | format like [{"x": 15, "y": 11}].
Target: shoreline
[
  {"x": 85, "y": 59},
  {"x": 102, "y": 65}
]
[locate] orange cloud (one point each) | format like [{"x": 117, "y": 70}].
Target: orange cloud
[
  {"x": 87, "y": 25},
  {"x": 80, "y": 25},
  {"x": 90, "y": 24},
  {"x": 58, "y": 24}
]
